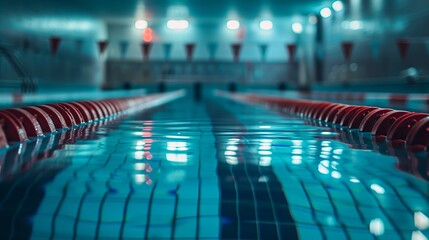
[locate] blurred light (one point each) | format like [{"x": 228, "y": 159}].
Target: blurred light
[
  {"x": 140, "y": 24},
  {"x": 139, "y": 155},
  {"x": 139, "y": 178},
  {"x": 177, "y": 24},
  {"x": 232, "y": 148},
  {"x": 377, "y": 188},
  {"x": 421, "y": 221},
  {"x": 312, "y": 19},
  {"x": 139, "y": 166},
  {"x": 177, "y": 146},
  {"x": 178, "y": 158},
  {"x": 326, "y": 149},
  {"x": 417, "y": 235},
  {"x": 296, "y": 160},
  {"x": 231, "y": 160},
  {"x": 230, "y": 153},
  {"x": 376, "y": 227},
  {"x": 338, "y": 151},
  {"x": 265, "y": 147},
  {"x": 266, "y": 141},
  {"x": 325, "y": 12},
  {"x": 297, "y": 151},
  {"x": 354, "y": 25},
  {"x": 354, "y": 180},
  {"x": 264, "y": 152},
  {"x": 264, "y": 127},
  {"x": 322, "y": 169},
  {"x": 265, "y": 161},
  {"x": 139, "y": 147},
  {"x": 297, "y": 28},
  {"x": 233, "y": 24},
  {"x": 266, "y": 25},
  {"x": 297, "y": 142},
  {"x": 338, "y": 6},
  {"x": 336, "y": 174},
  {"x": 178, "y": 137}
]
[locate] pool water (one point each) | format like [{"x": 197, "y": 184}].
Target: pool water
[{"x": 209, "y": 169}]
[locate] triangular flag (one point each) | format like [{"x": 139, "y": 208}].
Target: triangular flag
[
  {"x": 291, "y": 48},
  {"x": 190, "y": 48},
  {"x": 123, "y": 48},
  {"x": 102, "y": 46},
  {"x": 347, "y": 48},
  {"x": 236, "y": 51},
  {"x": 54, "y": 44},
  {"x": 146, "y": 47},
  {"x": 263, "y": 49},
  {"x": 376, "y": 48},
  {"x": 403, "y": 46},
  {"x": 167, "y": 50},
  {"x": 212, "y": 48}
]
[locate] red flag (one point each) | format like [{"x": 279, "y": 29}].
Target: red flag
[
  {"x": 190, "y": 47},
  {"x": 347, "y": 48},
  {"x": 236, "y": 51},
  {"x": 403, "y": 46},
  {"x": 55, "y": 44},
  {"x": 146, "y": 47},
  {"x": 102, "y": 46},
  {"x": 291, "y": 50}
]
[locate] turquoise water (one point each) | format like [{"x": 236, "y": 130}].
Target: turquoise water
[{"x": 210, "y": 169}]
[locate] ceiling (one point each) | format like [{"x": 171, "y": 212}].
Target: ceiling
[{"x": 113, "y": 10}]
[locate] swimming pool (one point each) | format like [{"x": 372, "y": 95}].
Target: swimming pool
[{"x": 209, "y": 169}]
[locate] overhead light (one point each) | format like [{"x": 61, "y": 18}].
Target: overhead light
[
  {"x": 140, "y": 24},
  {"x": 177, "y": 24},
  {"x": 297, "y": 27},
  {"x": 338, "y": 6},
  {"x": 233, "y": 24},
  {"x": 266, "y": 25},
  {"x": 325, "y": 12},
  {"x": 312, "y": 19}
]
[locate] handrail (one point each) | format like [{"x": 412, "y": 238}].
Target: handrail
[{"x": 27, "y": 84}]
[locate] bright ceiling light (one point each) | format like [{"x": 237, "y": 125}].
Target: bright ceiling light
[
  {"x": 140, "y": 24},
  {"x": 266, "y": 25},
  {"x": 297, "y": 28},
  {"x": 177, "y": 24},
  {"x": 325, "y": 12},
  {"x": 337, "y": 6},
  {"x": 233, "y": 24}
]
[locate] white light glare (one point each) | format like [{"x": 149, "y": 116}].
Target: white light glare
[
  {"x": 266, "y": 25},
  {"x": 337, "y": 6},
  {"x": 140, "y": 24},
  {"x": 377, "y": 188},
  {"x": 325, "y": 12},
  {"x": 177, "y": 24},
  {"x": 297, "y": 28},
  {"x": 376, "y": 227},
  {"x": 233, "y": 24}
]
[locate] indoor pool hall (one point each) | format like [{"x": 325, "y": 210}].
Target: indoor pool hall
[{"x": 230, "y": 119}]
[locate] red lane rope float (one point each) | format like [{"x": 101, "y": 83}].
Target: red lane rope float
[
  {"x": 397, "y": 128},
  {"x": 3, "y": 139},
  {"x": 18, "y": 124}
]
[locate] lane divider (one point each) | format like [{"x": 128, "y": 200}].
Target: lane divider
[
  {"x": 398, "y": 99},
  {"x": 397, "y": 128},
  {"x": 22, "y": 124}
]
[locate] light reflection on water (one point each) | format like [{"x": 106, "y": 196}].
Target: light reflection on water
[{"x": 151, "y": 173}]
